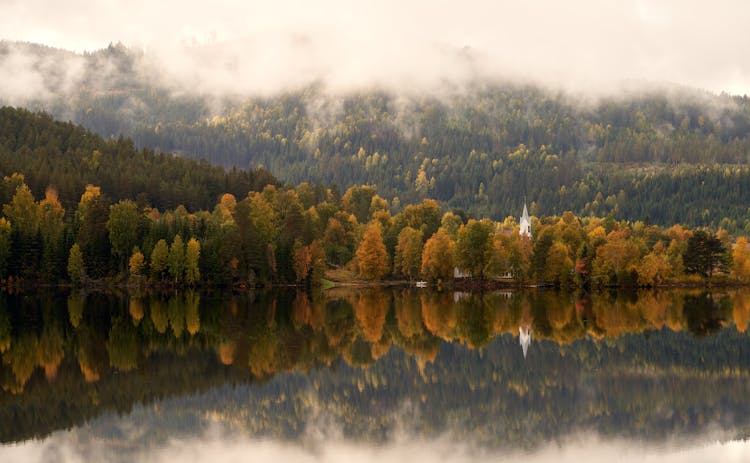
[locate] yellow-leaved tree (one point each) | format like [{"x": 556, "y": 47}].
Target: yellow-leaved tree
[
  {"x": 192, "y": 258},
  {"x": 741, "y": 260},
  {"x": 372, "y": 258},
  {"x": 437, "y": 258}
]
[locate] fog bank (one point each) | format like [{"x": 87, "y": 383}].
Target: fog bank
[{"x": 225, "y": 48}]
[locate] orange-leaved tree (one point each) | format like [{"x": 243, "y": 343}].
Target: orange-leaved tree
[{"x": 372, "y": 258}]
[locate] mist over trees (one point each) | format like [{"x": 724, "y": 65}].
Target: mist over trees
[{"x": 664, "y": 154}]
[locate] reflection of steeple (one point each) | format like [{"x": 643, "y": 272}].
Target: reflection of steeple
[{"x": 524, "y": 336}]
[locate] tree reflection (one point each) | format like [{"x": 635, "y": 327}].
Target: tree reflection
[
  {"x": 705, "y": 313},
  {"x": 108, "y": 348},
  {"x": 268, "y": 333}
]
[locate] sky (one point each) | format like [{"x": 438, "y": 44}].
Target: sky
[{"x": 266, "y": 46}]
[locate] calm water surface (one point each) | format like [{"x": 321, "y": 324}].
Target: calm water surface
[{"x": 375, "y": 375}]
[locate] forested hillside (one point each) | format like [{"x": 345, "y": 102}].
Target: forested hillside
[
  {"x": 67, "y": 157},
  {"x": 660, "y": 153},
  {"x": 80, "y": 209}
]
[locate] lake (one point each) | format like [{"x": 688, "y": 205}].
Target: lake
[{"x": 362, "y": 375}]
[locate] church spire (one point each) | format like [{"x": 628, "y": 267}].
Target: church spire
[{"x": 525, "y": 229}]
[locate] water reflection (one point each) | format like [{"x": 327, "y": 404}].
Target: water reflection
[
  {"x": 220, "y": 445},
  {"x": 648, "y": 366}
]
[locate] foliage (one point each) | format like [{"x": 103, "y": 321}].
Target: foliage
[
  {"x": 666, "y": 154},
  {"x": 703, "y": 254},
  {"x": 192, "y": 259},
  {"x": 136, "y": 263},
  {"x": 474, "y": 246},
  {"x": 76, "y": 266},
  {"x": 5, "y": 245},
  {"x": 372, "y": 259},
  {"x": 96, "y": 360},
  {"x": 408, "y": 259},
  {"x": 176, "y": 259},
  {"x": 269, "y": 233},
  {"x": 438, "y": 256},
  {"x": 123, "y": 227},
  {"x": 159, "y": 260},
  {"x": 741, "y": 259}
]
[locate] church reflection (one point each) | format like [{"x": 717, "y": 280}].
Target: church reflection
[
  {"x": 272, "y": 332},
  {"x": 104, "y": 346}
]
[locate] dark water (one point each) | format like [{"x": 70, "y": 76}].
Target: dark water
[{"x": 375, "y": 375}]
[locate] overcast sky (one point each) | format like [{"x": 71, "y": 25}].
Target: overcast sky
[{"x": 579, "y": 44}]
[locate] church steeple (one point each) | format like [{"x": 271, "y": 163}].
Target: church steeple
[
  {"x": 525, "y": 229},
  {"x": 524, "y": 337}
]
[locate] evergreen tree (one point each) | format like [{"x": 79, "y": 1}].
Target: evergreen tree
[{"x": 704, "y": 254}]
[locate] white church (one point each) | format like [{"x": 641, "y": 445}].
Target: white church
[{"x": 525, "y": 229}]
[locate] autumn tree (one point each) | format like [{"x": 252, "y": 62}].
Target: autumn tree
[
  {"x": 653, "y": 269},
  {"x": 520, "y": 251},
  {"x": 450, "y": 224},
  {"x": 318, "y": 257},
  {"x": 559, "y": 264},
  {"x": 176, "y": 259},
  {"x": 425, "y": 217},
  {"x": 615, "y": 258},
  {"x": 408, "y": 259},
  {"x": 674, "y": 258},
  {"x": 158, "y": 262},
  {"x": 76, "y": 266},
  {"x": 192, "y": 258},
  {"x": 545, "y": 238},
  {"x": 338, "y": 240},
  {"x": 5, "y": 245},
  {"x": 474, "y": 246},
  {"x": 52, "y": 229},
  {"x": 741, "y": 259},
  {"x": 372, "y": 259},
  {"x": 302, "y": 261},
  {"x": 136, "y": 263},
  {"x": 438, "y": 256},
  {"x": 24, "y": 216},
  {"x": 499, "y": 263}
]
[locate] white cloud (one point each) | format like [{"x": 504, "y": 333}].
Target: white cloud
[{"x": 265, "y": 46}]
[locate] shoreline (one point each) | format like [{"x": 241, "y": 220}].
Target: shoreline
[{"x": 459, "y": 285}]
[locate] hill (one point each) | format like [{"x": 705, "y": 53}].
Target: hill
[{"x": 659, "y": 153}]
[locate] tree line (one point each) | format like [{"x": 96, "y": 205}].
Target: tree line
[{"x": 298, "y": 234}]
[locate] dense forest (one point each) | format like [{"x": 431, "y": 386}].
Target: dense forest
[
  {"x": 661, "y": 154},
  {"x": 370, "y": 353},
  {"x": 243, "y": 227}
]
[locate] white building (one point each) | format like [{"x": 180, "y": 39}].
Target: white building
[
  {"x": 525, "y": 229},
  {"x": 524, "y": 337}
]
